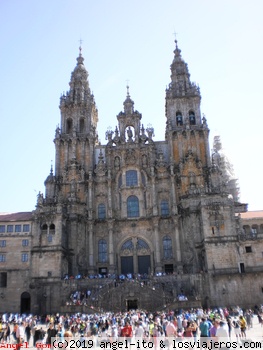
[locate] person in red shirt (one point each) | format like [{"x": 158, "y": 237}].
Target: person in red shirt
[{"x": 126, "y": 331}]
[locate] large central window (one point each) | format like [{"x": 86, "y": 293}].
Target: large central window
[
  {"x": 131, "y": 178},
  {"x": 101, "y": 211},
  {"x": 132, "y": 207},
  {"x": 167, "y": 248},
  {"x": 102, "y": 250},
  {"x": 164, "y": 208}
]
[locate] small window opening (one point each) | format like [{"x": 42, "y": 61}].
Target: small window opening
[{"x": 248, "y": 249}]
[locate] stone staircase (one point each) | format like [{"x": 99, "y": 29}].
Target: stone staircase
[{"x": 152, "y": 294}]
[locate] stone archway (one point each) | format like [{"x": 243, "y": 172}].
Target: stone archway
[
  {"x": 135, "y": 256},
  {"x": 25, "y": 303}
]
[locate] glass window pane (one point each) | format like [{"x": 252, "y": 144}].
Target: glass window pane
[
  {"x": 102, "y": 250},
  {"x": 127, "y": 245},
  {"x": 24, "y": 257},
  {"x": 101, "y": 211},
  {"x": 164, "y": 208},
  {"x": 26, "y": 228},
  {"x": 2, "y": 258},
  {"x": 132, "y": 207},
  {"x": 10, "y": 228},
  {"x": 3, "y": 243},
  {"x": 131, "y": 178},
  {"x": 18, "y": 228},
  {"x": 25, "y": 242},
  {"x": 2, "y": 228},
  {"x": 167, "y": 248}
]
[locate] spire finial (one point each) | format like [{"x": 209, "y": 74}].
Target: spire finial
[
  {"x": 175, "y": 39},
  {"x": 127, "y": 87},
  {"x": 51, "y": 168},
  {"x": 80, "y": 48}
]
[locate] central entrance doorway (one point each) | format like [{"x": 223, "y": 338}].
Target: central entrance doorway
[
  {"x": 127, "y": 265},
  {"x": 132, "y": 304},
  {"x": 135, "y": 257}
]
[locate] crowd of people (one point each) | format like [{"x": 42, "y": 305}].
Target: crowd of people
[
  {"x": 216, "y": 323},
  {"x": 113, "y": 276}
]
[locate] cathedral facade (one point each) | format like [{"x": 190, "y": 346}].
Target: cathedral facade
[{"x": 137, "y": 207}]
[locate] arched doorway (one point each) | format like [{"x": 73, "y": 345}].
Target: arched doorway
[
  {"x": 135, "y": 256},
  {"x": 25, "y": 303}
]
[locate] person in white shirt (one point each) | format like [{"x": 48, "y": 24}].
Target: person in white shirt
[{"x": 222, "y": 334}]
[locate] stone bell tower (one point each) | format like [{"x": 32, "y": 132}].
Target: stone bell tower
[
  {"x": 186, "y": 132},
  {"x": 63, "y": 215},
  {"x": 79, "y": 117}
]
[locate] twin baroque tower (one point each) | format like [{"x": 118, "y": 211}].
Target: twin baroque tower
[{"x": 133, "y": 205}]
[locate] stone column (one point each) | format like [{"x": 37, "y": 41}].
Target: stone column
[
  {"x": 111, "y": 250},
  {"x": 109, "y": 195},
  {"x": 155, "y": 209},
  {"x": 135, "y": 258},
  {"x": 91, "y": 248},
  {"x": 177, "y": 244},
  {"x": 158, "y": 267},
  {"x": 89, "y": 204},
  {"x": 172, "y": 177}
]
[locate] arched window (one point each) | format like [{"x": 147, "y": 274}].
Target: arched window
[
  {"x": 192, "y": 118},
  {"x": 132, "y": 207},
  {"x": 69, "y": 126},
  {"x": 131, "y": 178},
  {"x": 102, "y": 249},
  {"x": 179, "y": 118},
  {"x": 141, "y": 244},
  {"x": 51, "y": 233},
  {"x": 44, "y": 228},
  {"x": 165, "y": 208},
  {"x": 167, "y": 247},
  {"x": 101, "y": 211},
  {"x": 128, "y": 245},
  {"x": 81, "y": 125},
  {"x": 52, "y": 229}
]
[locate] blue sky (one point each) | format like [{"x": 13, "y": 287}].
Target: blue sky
[{"x": 127, "y": 40}]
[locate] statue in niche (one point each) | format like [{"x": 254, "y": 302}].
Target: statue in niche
[
  {"x": 129, "y": 133},
  {"x": 116, "y": 136}
]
